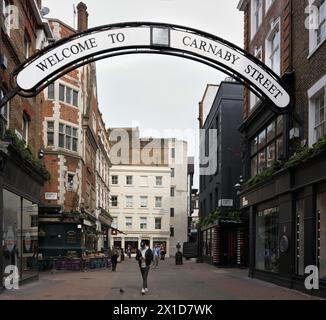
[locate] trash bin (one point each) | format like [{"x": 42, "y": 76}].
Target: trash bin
[{"x": 178, "y": 258}]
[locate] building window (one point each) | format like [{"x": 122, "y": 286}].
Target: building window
[
  {"x": 159, "y": 181},
  {"x": 172, "y": 192},
  {"x": 25, "y": 126},
  {"x": 50, "y": 133},
  {"x": 70, "y": 182},
  {"x": 34, "y": 221},
  {"x": 273, "y": 48},
  {"x": 5, "y": 110},
  {"x": 171, "y": 232},
  {"x": 114, "y": 201},
  {"x": 158, "y": 202},
  {"x": 172, "y": 172},
  {"x": 319, "y": 103},
  {"x": 317, "y": 116},
  {"x": 268, "y": 4},
  {"x": 114, "y": 223},
  {"x": 267, "y": 146},
  {"x": 254, "y": 100},
  {"x": 267, "y": 240},
  {"x": 256, "y": 16},
  {"x": 173, "y": 153},
  {"x": 68, "y": 137},
  {"x": 129, "y": 180},
  {"x": 27, "y": 46},
  {"x": 143, "y": 202},
  {"x": 128, "y": 222},
  {"x": 143, "y": 223},
  {"x": 51, "y": 92},
  {"x": 129, "y": 201},
  {"x": 172, "y": 212},
  {"x": 158, "y": 223},
  {"x": 68, "y": 95},
  {"x": 317, "y": 30},
  {"x": 115, "y": 180}
]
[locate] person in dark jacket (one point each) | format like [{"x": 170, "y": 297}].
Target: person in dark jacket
[
  {"x": 144, "y": 257},
  {"x": 114, "y": 258}
]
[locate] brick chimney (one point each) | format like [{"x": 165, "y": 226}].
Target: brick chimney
[
  {"x": 82, "y": 17},
  {"x": 201, "y": 115},
  {"x": 39, "y": 4}
]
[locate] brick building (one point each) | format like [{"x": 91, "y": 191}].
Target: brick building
[
  {"x": 284, "y": 189},
  {"x": 23, "y": 31},
  {"x": 72, "y": 131}
]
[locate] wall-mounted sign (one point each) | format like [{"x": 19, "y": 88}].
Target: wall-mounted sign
[
  {"x": 147, "y": 37},
  {"x": 225, "y": 203},
  {"x": 51, "y": 196}
]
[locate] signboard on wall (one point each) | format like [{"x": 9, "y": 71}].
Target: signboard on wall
[{"x": 51, "y": 196}]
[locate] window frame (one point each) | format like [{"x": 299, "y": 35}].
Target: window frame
[
  {"x": 66, "y": 136},
  {"x": 158, "y": 201},
  {"x": 158, "y": 222},
  {"x": 270, "y": 50}
]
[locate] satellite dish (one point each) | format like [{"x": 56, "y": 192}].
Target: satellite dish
[{"x": 45, "y": 11}]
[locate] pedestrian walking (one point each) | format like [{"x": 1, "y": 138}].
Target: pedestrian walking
[
  {"x": 144, "y": 257},
  {"x": 157, "y": 253},
  {"x": 129, "y": 252},
  {"x": 163, "y": 251},
  {"x": 114, "y": 258}
]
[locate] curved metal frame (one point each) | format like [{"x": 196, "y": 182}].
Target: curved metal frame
[{"x": 151, "y": 49}]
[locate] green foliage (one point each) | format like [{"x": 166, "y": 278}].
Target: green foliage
[
  {"x": 26, "y": 154},
  {"x": 218, "y": 213}
]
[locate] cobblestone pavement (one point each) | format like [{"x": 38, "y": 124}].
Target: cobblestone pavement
[{"x": 190, "y": 281}]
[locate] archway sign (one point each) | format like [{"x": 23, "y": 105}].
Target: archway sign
[{"x": 146, "y": 37}]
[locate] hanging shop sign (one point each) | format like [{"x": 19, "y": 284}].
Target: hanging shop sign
[{"x": 145, "y": 37}]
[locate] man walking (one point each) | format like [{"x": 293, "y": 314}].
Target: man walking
[
  {"x": 144, "y": 257},
  {"x": 157, "y": 253}
]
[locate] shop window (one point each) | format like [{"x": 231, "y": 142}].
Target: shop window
[
  {"x": 300, "y": 237},
  {"x": 158, "y": 223},
  {"x": 321, "y": 234},
  {"x": 267, "y": 240}
]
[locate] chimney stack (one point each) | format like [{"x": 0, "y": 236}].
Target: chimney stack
[
  {"x": 82, "y": 17},
  {"x": 39, "y": 4},
  {"x": 201, "y": 115}
]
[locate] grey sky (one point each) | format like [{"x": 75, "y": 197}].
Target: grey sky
[{"x": 157, "y": 92}]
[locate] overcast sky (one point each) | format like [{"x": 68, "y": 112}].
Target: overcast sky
[{"x": 156, "y": 92}]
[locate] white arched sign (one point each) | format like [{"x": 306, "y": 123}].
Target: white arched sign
[{"x": 143, "y": 37}]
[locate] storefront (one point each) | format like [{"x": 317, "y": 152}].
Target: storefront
[
  {"x": 20, "y": 186},
  {"x": 288, "y": 224}
]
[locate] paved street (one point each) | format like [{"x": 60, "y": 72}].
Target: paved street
[{"x": 169, "y": 282}]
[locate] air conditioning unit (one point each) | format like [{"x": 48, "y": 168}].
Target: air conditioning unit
[
  {"x": 294, "y": 133},
  {"x": 3, "y": 61}
]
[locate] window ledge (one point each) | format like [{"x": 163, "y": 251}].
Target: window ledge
[{"x": 315, "y": 49}]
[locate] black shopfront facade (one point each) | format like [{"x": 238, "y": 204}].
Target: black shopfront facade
[
  {"x": 20, "y": 187},
  {"x": 287, "y": 217}
]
